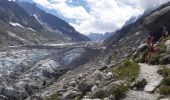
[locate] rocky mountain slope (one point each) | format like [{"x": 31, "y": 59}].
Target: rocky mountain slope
[
  {"x": 52, "y": 22},
  {"x": 18, "y": 28}
]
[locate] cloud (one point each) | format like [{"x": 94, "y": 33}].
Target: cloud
[{"x": 102, "y": 15}]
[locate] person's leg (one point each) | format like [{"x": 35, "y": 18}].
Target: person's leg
[{"x": 149, "y": 57}]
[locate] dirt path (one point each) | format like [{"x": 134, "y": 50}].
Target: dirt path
[{"x": 149, "y": 72}]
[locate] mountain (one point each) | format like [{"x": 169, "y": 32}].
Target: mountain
[
  {"x": 130, "y": 21},
  {"x": 139, "y": 29},
  {"x": 98, "y": 36},
  {"x": 17, "y": 27},
  {"x": 52, "y": 22}
]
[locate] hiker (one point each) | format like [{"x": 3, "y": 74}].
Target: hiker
[
  {"x": 150, "y": 46},
  {"x": 151, "y": 40}
]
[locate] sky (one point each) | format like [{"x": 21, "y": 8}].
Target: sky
[{"x": 97, "y": 16}]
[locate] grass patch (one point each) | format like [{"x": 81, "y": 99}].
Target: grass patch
[
  {"x": 140, "y": 84},
  {"x": 52, "y": 97},
  {"x": 120, "y": 91},
  {"x": 166, "y": 81},
  {"x": 128, "y": 70},
  {"x": 165, "y": 72},
  {"x": 165, "y": 84},
  {"x": 164, "y": 90},
  {"x": 155, "y": 58}
]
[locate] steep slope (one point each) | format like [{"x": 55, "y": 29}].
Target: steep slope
[
  {"x": 53, "y": 22},
  {"x": 149, "y": 22}
]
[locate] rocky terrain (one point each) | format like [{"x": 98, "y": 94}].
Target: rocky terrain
[
  {"x": 20, "y": 28},
  {"x": 26, "y": 70},
  {"x": 113, "y": 70}
]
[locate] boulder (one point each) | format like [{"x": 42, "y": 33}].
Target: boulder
[
  {"x": 85, "y": 86},
  {"x": 94, "y": 88},
  {"x": 109, "y": 75},
  {"x": 12, "y": 94},
  {"x": 98, "y": 94},
  {"x": 105, "y": 91},
  {"x": 70, "y": 95},
  {"x": 152, "y": 86},
  {"x": 97, "y": 75},
  {"x": 167, "y": 43},
  {"x": 72, "y": 83},
  {"x": 165, "y": 59},
  {"x": 142, "y": 47},
  {"x": 102, "y": 68},
  {"x": 33, "y": 87},
  {"x": 2, "y": 97}
]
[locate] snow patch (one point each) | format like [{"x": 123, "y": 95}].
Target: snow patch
[
  {"x": 16, "y": 24},
  {"x": 31, "y": 29}
]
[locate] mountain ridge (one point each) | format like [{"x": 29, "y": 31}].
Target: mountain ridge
[{"x": 53, "y": 22}]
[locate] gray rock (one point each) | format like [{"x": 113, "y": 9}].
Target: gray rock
[
  {"x": 97, "y": 75},
  {"x": 61, "y": 91},
  {"x": 167, "y": 43},
  {"x": 85, "y": 86},
  {"x": 142, "y": 47},
  {"x": 35, "y": 98},
  {"x": 73, "y": 83},
  {"x": 94, "y": 88},
  {"x": 31, "y": 88},
  {"x": 109, "y": 75},
  {"x": 70, "y": 95},
  {"x": 12, "y": 93},
  {"x": 2, "y": 97},
  {"x": 165, "y": 59},
  {"x": 105, "y": 91},
  {"x": 152, "y": 86},
  {"x": 98, "y": 93},
  {"x": 80, "y": 76},
  {"x": 102, "y": 68}
]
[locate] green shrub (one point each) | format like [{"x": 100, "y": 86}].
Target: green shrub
[
  {"x": 155, "y": 58},
  {"x": 120, "y": 91},
  {"x": 164, "y": 90},
  {"x": 144, "y": 56},
  {"x": 128, "y": 70},
  {"x": 140, "y": 84},
  {"x": 166, "y": 81},
  {"x": 165, "y": 72},
  {"x": 162, "y": 49}
]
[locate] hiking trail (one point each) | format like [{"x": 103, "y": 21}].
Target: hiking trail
[{"x": 148, "y": 72}]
